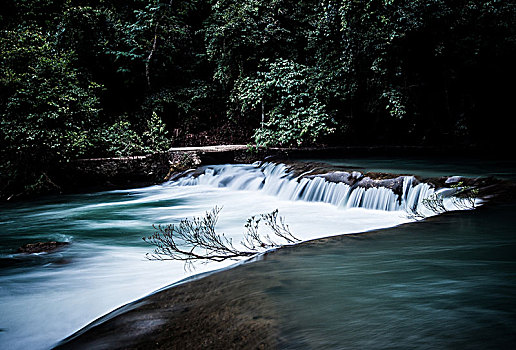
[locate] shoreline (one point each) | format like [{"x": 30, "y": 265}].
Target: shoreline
[{"x": 192, "y": 313}]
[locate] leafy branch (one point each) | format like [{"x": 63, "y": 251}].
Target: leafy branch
[{"x": 197, "y": 240}]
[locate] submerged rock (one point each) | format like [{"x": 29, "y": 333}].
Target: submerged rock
[{"x": 41, "y": 247}]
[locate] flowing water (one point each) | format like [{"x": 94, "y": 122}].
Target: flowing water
[
  {"x": 46, "y": 297},
  {"x": 445, "y": 283}
]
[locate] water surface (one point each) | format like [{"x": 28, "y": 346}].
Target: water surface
[
  {"x": 447, "y": 283},
  {"x": 46, "y": 297},
  {"x": 378, "y": 292},
  {"x": 430, "y": 166}
]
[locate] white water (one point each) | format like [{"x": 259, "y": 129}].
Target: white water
[
  {"x": 274, "y": 179},
  {"x": 41, "y": 303}
]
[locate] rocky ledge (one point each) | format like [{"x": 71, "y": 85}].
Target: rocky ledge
[{"x": 488, "y": 188}]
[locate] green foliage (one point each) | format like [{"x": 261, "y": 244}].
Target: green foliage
[
  {"x": 252, "y": 149},
  {"x": 46, "y": 111},
  {"x": 294, "y": 113},
  {"x": 121, "y": 140},
  {"x": 82, "y": 78},
  {"x": 156, "y": 135}
]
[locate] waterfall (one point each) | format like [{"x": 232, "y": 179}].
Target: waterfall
[{"x": 275, "y": 179}]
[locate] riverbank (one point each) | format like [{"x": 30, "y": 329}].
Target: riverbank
[{"x": 221, "y": 311}]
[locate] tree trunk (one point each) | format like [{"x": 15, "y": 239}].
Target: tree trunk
[
  {"x": 263, "y": 113},
  {"x": 153, "y": 49}
]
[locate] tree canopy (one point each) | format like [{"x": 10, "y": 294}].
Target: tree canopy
[{"x": 84, "y": 78}]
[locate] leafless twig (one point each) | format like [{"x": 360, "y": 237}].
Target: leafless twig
[
  {"x": 196, "y": 239},
  {"x": 464, "y": 198}
]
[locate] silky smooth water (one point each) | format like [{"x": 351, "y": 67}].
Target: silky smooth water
[
  {"x": 46, "y": 297},
  {"x": 429, "y": 166},
  {"x": 445, "y": 283}
]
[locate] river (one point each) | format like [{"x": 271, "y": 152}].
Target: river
[{"x": 46, "y": 297}]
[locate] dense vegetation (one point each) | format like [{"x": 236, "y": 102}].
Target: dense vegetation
[{"x": 81, "y": 78}]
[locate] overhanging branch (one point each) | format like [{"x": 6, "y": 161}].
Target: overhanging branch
[{"x": 197, "y": 240}]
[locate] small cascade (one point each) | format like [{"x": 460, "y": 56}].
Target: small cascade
[{"x": 275, "y": 179}]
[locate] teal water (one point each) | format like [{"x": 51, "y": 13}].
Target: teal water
[
  {"x": 430, "y": 166},
  {"x": 446, "y": 283},
  {"x": 46, "y": 297},
  {"x": 398, "y": 289}
]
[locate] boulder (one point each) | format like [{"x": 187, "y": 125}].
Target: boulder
[{"x": 41, "y": 247}]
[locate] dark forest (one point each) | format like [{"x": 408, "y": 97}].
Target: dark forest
[{"x": 97, "y": 78}]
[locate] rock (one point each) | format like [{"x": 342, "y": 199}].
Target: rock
[
  {"x": 453, "y": 180},
  {"x": 41, "y": 247},
  {"x": 340, "y": 176}
]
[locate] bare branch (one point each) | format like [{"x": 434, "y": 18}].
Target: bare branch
[
  {"x": 153, "y": 48},
  {"x": 435, "y": 203},
  {"x": 464, "y": 198},
  {"x": 197, "y": 240}
]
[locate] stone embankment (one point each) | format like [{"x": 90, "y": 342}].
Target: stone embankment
[
  {"x": 123, "y": 172},
  {"x": 136, "y": 171}
]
